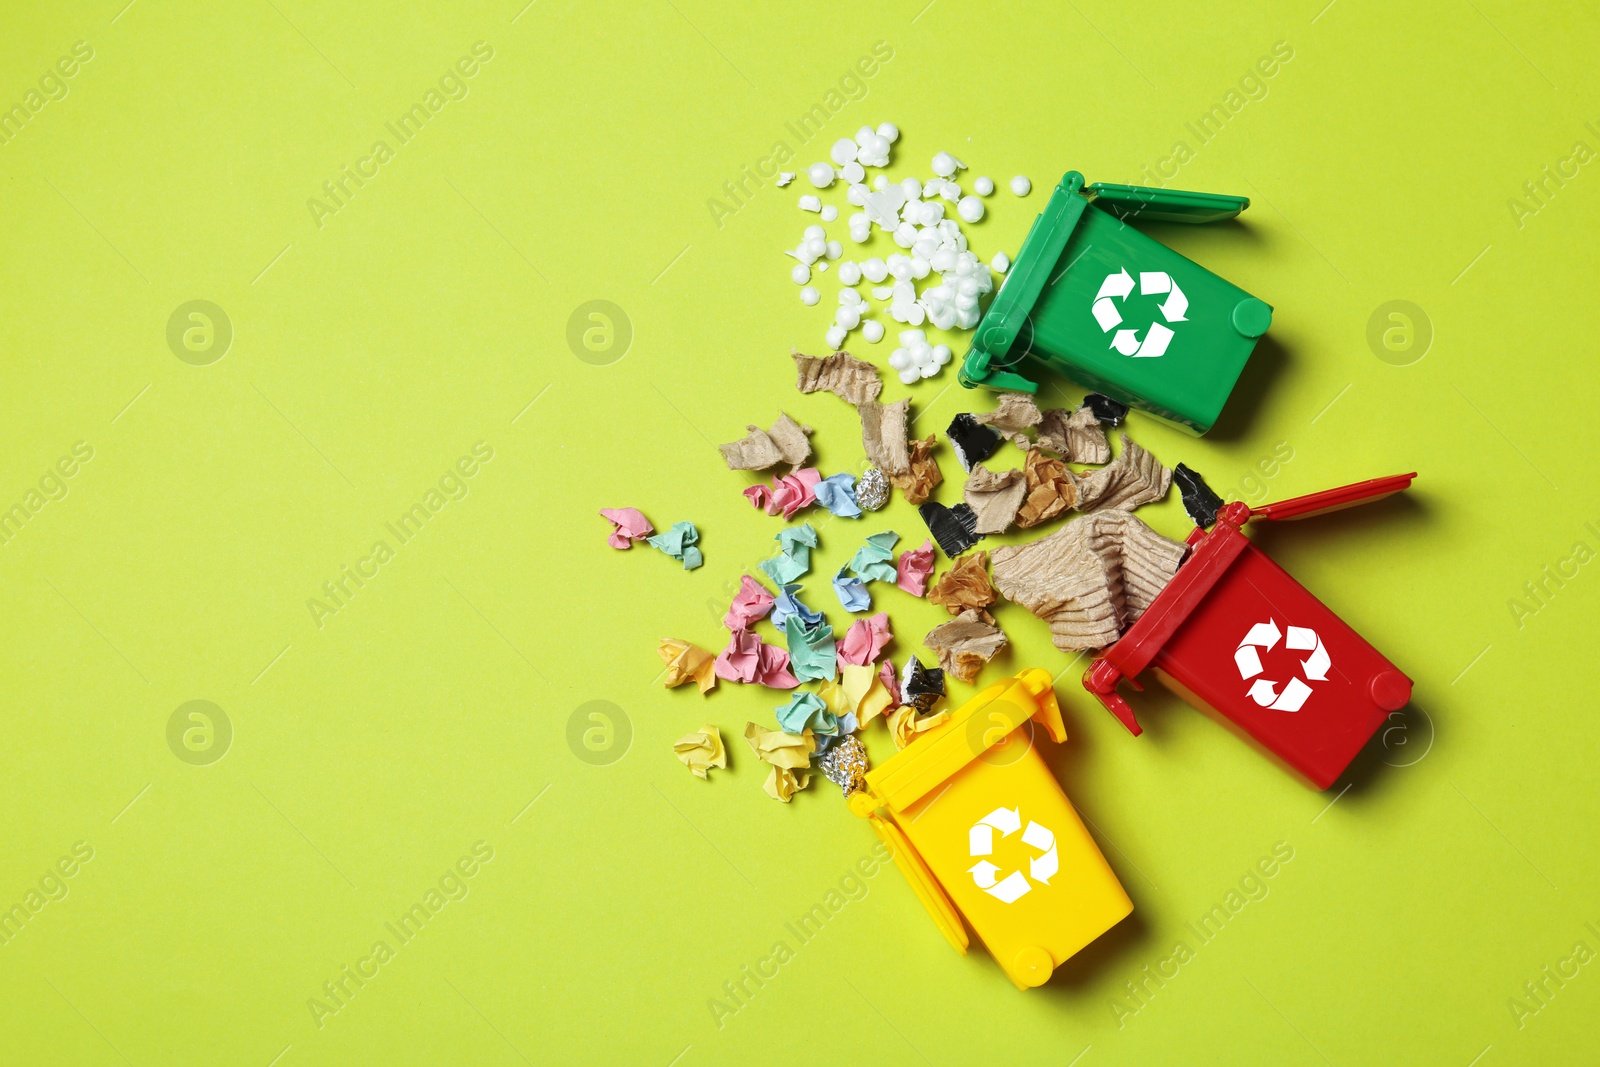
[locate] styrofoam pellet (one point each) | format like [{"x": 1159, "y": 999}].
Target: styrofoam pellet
[
  {"x": 852, "y": 172},
  {"x": 809, "y": 295},
  {"x": 1021, "y": 185},
  {"x": 843, "y": 151},
  {"x": 889, "y": 132},
  {"x": 785, "y": 177},
  {"x": 875, "y": 269},
  {"x": 872, "y": 330},
  {"x": 1001, "y": 263},
  {"x": 801, "y": 274},
  {"x": 829, "y": 213},
  {"x": 835, "y": 336},
  {"x": 983, "y": 186},
  {"x": 809, "y": 202},
  {"x": 849, "y": 273},
  {"x": 820, "y": 175}
]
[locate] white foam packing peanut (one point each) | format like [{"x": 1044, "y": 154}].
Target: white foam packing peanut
[{"x": 923, "y": 218}]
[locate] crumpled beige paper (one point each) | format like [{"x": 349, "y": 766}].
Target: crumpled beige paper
[
  {"x": 858, "y": 689},
  {"x": 883, "y": 435},
  {"x": 1051, "y": 489},
  {"x": 786, "y": 442},
  {"x": 701, "y": 750},
  {"x": 1135, "y": 477},
  {"x": 840, "y": 374},
  {"x": 994, "y": 496},
  {"x": 1091, "y": 579},
  {"x": 778, "y": 748},
  {"x": 687, "y": 662},
  {"x": 782, "y": 783},
  {"x": 1012, "y": 415},
  {"x": 1078, "y": 437},
  {"x": 965, "y": 585},
  {"x": 965, "y": 644},
  {"x": 918, "y": 482}
]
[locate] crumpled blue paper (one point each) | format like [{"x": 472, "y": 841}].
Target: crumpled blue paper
[
  {"x": 787, "y": 604},
  {"x": 837, "y": 493},
  {"x": 852, "y": 592}
]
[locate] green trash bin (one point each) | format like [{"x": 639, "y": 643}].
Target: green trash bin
[{"x": 1091, "y": 298}]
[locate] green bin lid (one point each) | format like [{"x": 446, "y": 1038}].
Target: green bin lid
[{"x": 1134, "y": 203}]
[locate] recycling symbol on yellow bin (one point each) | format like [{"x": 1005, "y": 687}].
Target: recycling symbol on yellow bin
[
  {"x": 1156, "y": 339},
  {"x": 1041, "y": 868}
]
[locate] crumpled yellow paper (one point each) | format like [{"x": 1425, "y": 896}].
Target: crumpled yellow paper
[
  {"x": 687, "y": 662},
  {"x": 782, "y": 783},
  {"x": 858, "y": 689},
  {"x": 905, "y": 726},
  {"x": 778, "y": 748},
  {"x": 786, "y": 754},
  {"x": 701, "y": 750}
]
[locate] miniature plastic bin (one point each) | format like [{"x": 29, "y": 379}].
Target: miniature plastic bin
[
  {"x": 986, "y": 834},
  {"x": 1090, "y": 298},
  {"x": 1234, "y": 635}
]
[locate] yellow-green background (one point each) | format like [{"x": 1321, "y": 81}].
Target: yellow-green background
[{"x": 369, "y": 354}]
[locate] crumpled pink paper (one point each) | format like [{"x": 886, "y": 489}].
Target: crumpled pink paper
[
  {"x": 864, "y": 641},
  {"x": 748, "y": 659},
  {"x": 628, "y": 525},
  {"x": 913, "y": 569},
  {"x": 891, "y": 681},
  {"x": 788, "y": 494},
  {"x": 750, "y": 604}
]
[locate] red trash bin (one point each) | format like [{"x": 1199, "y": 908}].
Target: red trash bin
[{"x": 1233, "y": 634}]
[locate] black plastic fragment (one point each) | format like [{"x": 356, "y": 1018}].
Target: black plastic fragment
[
  {"x": 1107, "y": 412},
  {"x": 1198, "y": 499},
  {"x": 974, "y": 442},
  {"x": 956, "y": 529},
  {"x": 921, "y": 687}
]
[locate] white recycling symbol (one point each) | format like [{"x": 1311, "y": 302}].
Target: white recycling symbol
[
  {"x": 1041, "y": 868},
  {"x": 1159, "y": 335},
  {"x": 1264, "y": 691}
]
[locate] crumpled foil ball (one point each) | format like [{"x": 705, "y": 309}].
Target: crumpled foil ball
[
  {"x": 872, "y": 490},
  {"x": 845, "y": 765}
]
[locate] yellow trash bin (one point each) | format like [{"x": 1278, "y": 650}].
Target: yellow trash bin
[{"x": 984, "y": 833}]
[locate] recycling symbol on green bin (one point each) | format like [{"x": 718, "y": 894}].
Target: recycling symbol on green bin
[{"x": 1158, "y": 335}]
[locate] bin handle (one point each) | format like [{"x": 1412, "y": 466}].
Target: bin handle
[{"x": 1101, "y": 679}]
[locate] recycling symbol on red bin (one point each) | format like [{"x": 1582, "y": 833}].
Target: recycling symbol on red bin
[
  {"x": 1041, "y": 868},
  {"x": 1264, "y": 691},
  {"x": 1159, "y": 335}
]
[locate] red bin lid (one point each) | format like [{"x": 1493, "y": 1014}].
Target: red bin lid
[{"x": 1303, "y": 507}]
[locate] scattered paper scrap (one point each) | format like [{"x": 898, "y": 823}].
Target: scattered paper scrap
[
  {"x": 864, "y": 641},
  {"x": 679, "y": 542},
  {"x": 1051, "y": 489},
  {"x": 812, "y": 655},
  {"x": 1107, "y": 411},
  {"x": 973, "y": 441},
  {"x": 627, "y": 526},
  {"x": 787, "y": 494},
  {"x": 913, "y": 569},
  {"x": 923, "y": 473},
  {"x": 1013, "y": 415},
  {"x": 806, "y": 711},
  {"x": 902, "y": 723},
  {"x": 891, "y": 681},
  {"x": 1078, "y": 437},
  {"x": 1199, "y": 500},
  {"x": 851, "y": 591},
  {"x": 1135, "y": 477},
  {"x": 965, "y": 644},
  {"x": 794, "y": 554},
  {"x": 964, "y": 586},
  {"x": 786, "y": 442},
  {"x": 686, "y": 662},
  {"x": 1091, "y": 579},
  {"x": 883, "y": 435},
  {"x": 858, "y": 692},
  {"x": 782, "y": 783},
  {"x": 994, "y": 497},
  {"x": 837, "y": 493},
  {"x": 956, "y": 529},
  {"x": 750, "y": 604},
  {"x": 749, "y": 659},
  {"x": 921, "y": 687},
  {"x": 701, "y": 751},
  {"x": 841, "y": 374},
  {"x": 874, "y": 561},
  {"x": 780, "y": 749},
  {"x": 788, "y": 603}
]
